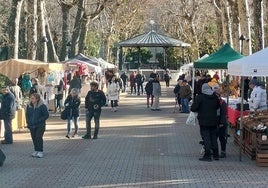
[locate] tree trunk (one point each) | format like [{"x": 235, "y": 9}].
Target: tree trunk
[
  {"x": 258, "y": 21},
  {"x": 14, "y": 27},
  {"x": 32, "y": 30},
  {"x": 43, "y": 42},
  {"x": 65, "y": 30},
  {"x": 77, "y": 28},
  {"x": 83, "y": 33},
  {"x": 243, "y": 25}
]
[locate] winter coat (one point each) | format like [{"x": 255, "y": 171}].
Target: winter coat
[
  {"x": 95, "y": 98},
  {"x": 113, "y": 88},
  {"x": 207, "y": 107},
  {"x": 8, "y": 106},
  {"x": 36, "y": 115},
  {"x": 156, "y": 88},
  {"x": 149, "y": 88},
  {"x": 72, "y": 106},
  {"x": 185, "y": 91}
]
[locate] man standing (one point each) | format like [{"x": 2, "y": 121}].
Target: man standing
[
  {"x": 140, "y": 78},
  {"x": 206, "y": 105},
  {"x": 185, "y": 93},
  {"x": 94, "y": 100},
  {"x": 7, "y": 113}
]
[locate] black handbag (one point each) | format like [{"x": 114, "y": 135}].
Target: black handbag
[{"x": 63, "y": 114}]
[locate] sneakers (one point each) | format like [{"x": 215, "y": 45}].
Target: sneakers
[
  {"x": 34, "y": 154},
  {"x": 38, "y": 154},
  {"x": 67, "y": 136}
]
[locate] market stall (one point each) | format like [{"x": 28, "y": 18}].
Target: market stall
[
  {"x": 252, "y": 65},
  {"x": 15, "y": 67},
  {"x": 47, "y": 73}
]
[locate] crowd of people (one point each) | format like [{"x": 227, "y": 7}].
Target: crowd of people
[{"x": 206, "y": 100}]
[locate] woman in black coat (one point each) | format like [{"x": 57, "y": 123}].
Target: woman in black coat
[{"x": 72, "y": 107}]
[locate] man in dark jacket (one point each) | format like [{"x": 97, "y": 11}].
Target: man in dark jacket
[
  {"x": 94, "y": 100},
  {"x": 207, "y": 105},
  {"x": 7, "y": 113},
  {"x": 140, "y": 78},
  {"x": 185, "y": 93}
]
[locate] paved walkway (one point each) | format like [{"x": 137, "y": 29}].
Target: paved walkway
[{"x": 137, "y": 147}]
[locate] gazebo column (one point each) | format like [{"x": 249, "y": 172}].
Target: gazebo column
[
  {"x": 119, "y": 57},
  {"x": 165, "y": 57},
  {"x": 139, "y": 56}
]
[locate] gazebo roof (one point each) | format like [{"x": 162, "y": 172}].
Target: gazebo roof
[{"x": 152, "y": 39}]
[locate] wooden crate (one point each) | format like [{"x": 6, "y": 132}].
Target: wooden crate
[{"x": 262, "y": 159}]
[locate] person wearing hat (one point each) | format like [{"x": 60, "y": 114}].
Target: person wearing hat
[
  {"x": 7, "y": 113},
  {"x": 185, "y": 94},
  {"x": 258, "y": 96},
  {"x": 207, "y": 105},
  {"x": 223, "y": 123},
  {"x": 94, "y": 100}
]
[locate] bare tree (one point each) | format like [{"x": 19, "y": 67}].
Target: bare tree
[{"x": 13, "y": 28}]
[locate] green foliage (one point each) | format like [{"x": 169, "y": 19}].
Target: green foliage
[
  {"x": 137, "y": 59},
  {"x": 93, "y": 44},
  {"x": 4, "y": 81}
]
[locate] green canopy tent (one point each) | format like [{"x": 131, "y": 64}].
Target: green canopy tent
[{"x": 218, "y": 59}]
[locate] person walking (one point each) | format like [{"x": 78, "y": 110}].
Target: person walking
[
  {"x": 94, "y": 100},
  {"x": 36, "y": 116},
  {"x": 185, "y": 93},
  {"x": 207, "y": 105},
  {"x": 149, "y": 92},
  {"x": 156, "y": 94},
  {"x": 124, "y": 78},
  {"x": 59, "y": 89},
  {"x": 167, "y": 77},
  {"x": 113, "y": 94},
  {"x": 7, "y": 113},
  {"x": 72, "y": 107}
]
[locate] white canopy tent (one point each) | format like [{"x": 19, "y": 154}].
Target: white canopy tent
[{"x": 252, "y": 65}]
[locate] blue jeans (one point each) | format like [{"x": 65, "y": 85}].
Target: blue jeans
[
  {"x": 69, "y": 123},
  {"x": 8, "y": 130},
  {"x": 185, "y": 104},
  {"x": 89, "y": 116}
]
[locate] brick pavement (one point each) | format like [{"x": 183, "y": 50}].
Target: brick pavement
[{"x": 137, "y": 147}]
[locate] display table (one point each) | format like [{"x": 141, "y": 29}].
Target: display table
[
  {"x": 19, "y": 122},
  {"x": 233, "y": 115}
]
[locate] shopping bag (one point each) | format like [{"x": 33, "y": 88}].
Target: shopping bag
[{"x": 191, "y": 119}]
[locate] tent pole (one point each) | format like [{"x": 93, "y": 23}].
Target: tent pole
[
  {"x": 241, "y": 118},
  {"x": 193, "y": 82}
]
